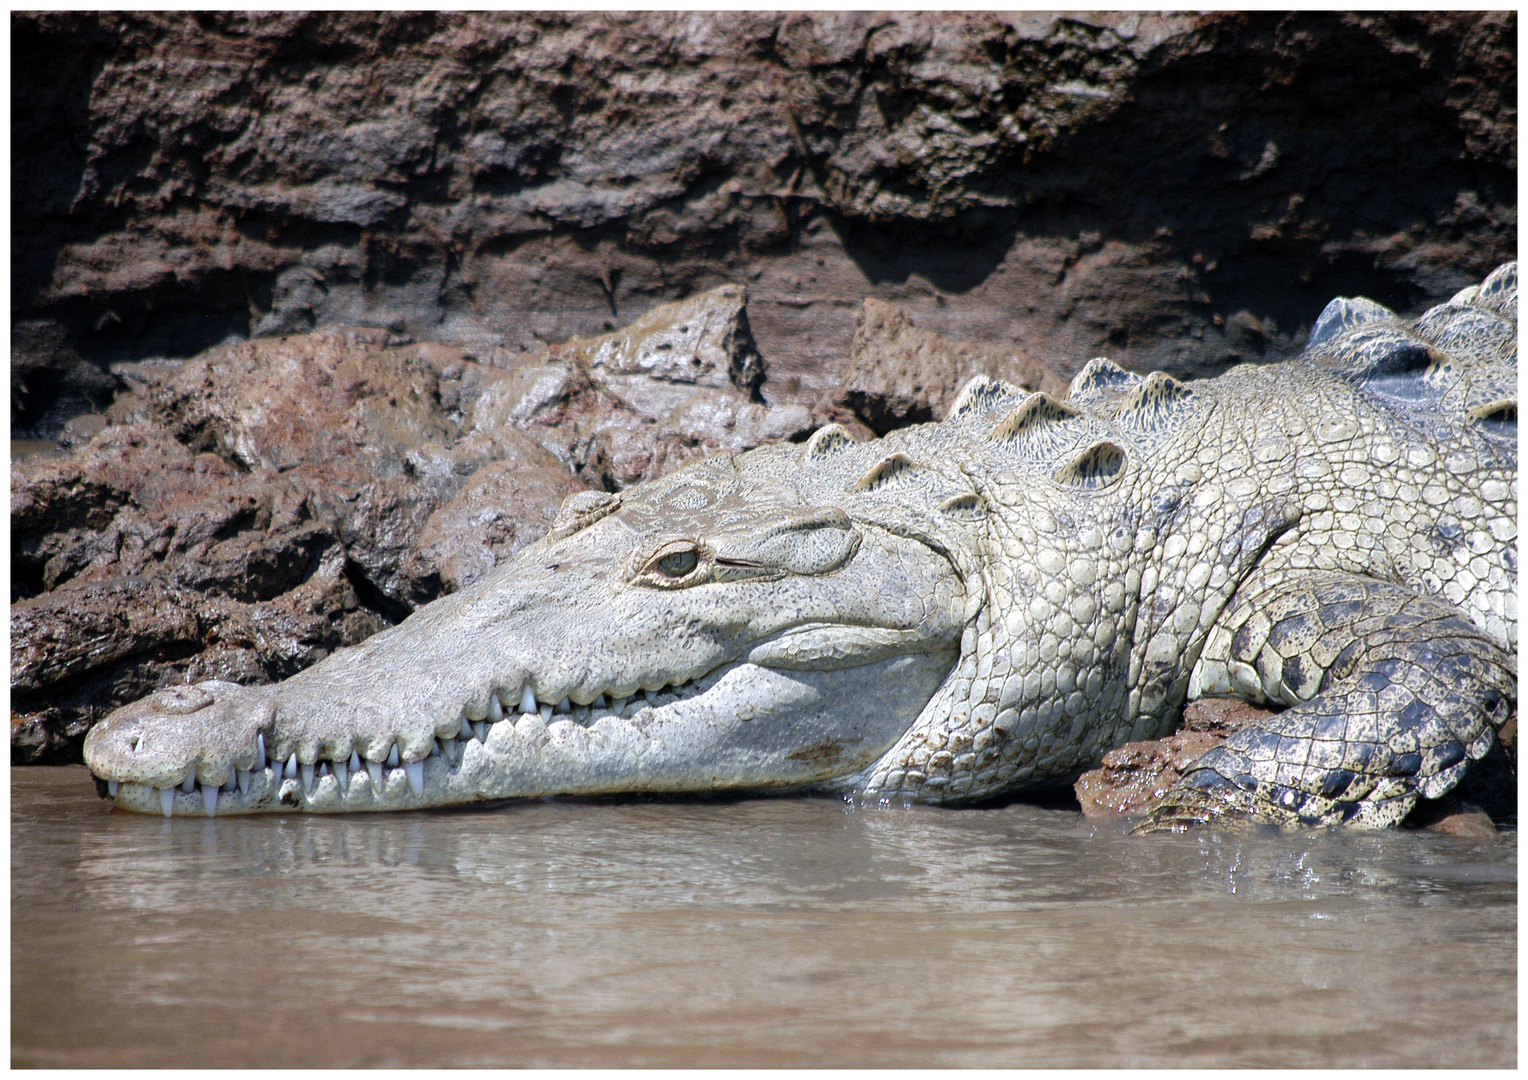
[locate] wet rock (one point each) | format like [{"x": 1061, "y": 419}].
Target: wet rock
[
  {"x": 1132, "y": 779},
  {"x": 1452, "y": 817},
  {"x": 899, "y": 374}
]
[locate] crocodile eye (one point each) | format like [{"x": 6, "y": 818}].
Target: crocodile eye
[{"x": 678, "y": 564}]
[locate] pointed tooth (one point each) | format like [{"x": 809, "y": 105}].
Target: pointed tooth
[
  {"x": 564, "y": 705},
  {"x": 188, "y": 785},
  {"x": 210, "y": 800},
  {"x": 260, "y": 742},
  {"x": 291, "y": 765},
  {"x": 600, "y": 703},
  {"x": 342, "y": 774},
  {"x": 648, "y": 695},
  {"x": 111, "y": 788},
  {"x": 242, "y": 775},
  {"x": 167, "y": 801},
  {"x": 495, "y": 709},
  {"x": 374, "y": 770},
  {"x": 307, "y": 777},
  {"x": 392, "y": 757},
  {"x": 480, "y": 729},
  {"x": 415, "y": 771},
  {"x": 355, "y": 761},
  {"x": 546, "y": 714},
  {"x": 527, "y": 700}
]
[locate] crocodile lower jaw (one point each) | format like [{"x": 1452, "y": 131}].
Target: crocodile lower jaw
[{"x": 463, "y": 769}]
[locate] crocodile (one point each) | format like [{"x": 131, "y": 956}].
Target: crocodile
[{"x": 958, "y": 611}]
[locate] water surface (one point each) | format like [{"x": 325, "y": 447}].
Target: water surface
[{"x": 779, "y": 932}]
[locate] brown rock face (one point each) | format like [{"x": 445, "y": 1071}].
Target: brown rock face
[
  {"x": 898, "y": 374},
  {"x": 1174, "y": 192},
  {"x": 241, "y": 514}
]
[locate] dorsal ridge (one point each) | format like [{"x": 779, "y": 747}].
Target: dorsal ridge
[
  {"x": 1035, "y": 413},
  {"x": 1101, "y": 378},
  {"x": 884, "y": 472},
  {"x": 983, "y": 394},
  {"x": 1154, "y": 401},
  {"x": 826, "y": 441},
  {"x": 1099, "y": 466}
]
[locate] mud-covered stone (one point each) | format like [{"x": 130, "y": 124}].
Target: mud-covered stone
[
  {"x": 679, "y": 383},
  {"x": 899, "y": 374},
  {"x": 1132, "y": 779},
  {"x": 504, "y": 506}
]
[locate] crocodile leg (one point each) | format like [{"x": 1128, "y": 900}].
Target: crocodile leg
[{"x": 1391, "y": 694}]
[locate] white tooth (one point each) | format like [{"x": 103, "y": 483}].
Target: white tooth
[
  {"x": 260, "y": 742},
  {"x": 374, "y": 770},
  {"x": 242, "y": 776},
  {"x": 495, "y": 710},
  {"x": 307, "y": 777},
  {"x": 291, "y": 765},
  {"x": 648, "y": 695},
  {"x": 355, "y": 761},
  {"x": 480, "y": 729},
  {"x": 188, "y": 785},
  {"x": 600, "y": 703},
  {"x": 167, "y": 801},
  {"x": 392, "y": 757},
  {"x": 527, "y": 701},
  {"x": 342, "y": 774},
  {"x": 546, "y": 714},
  {"x": 210, "y": 800},
  {"x": 415, "y": 770},
  {"x": 563, "y": 705},
  {"x": 111, "y": 788}
]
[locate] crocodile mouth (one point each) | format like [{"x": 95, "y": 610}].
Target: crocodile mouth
[{"x": 384, "y": 778}]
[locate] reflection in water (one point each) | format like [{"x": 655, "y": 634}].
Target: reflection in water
[{"x": 764, "y": 932}]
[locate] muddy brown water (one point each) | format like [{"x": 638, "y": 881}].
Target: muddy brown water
[{"x": 770, "y": 932}]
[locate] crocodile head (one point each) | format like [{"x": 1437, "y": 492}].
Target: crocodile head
[{"x": 720, "y": 628}]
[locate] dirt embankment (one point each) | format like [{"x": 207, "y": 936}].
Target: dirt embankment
[{"x": 1177, "y": 192}]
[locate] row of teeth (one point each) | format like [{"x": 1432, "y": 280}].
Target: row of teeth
[{"x": 450, "y": 749}]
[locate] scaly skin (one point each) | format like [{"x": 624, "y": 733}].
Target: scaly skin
[{"x": 960, "y": 610}]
